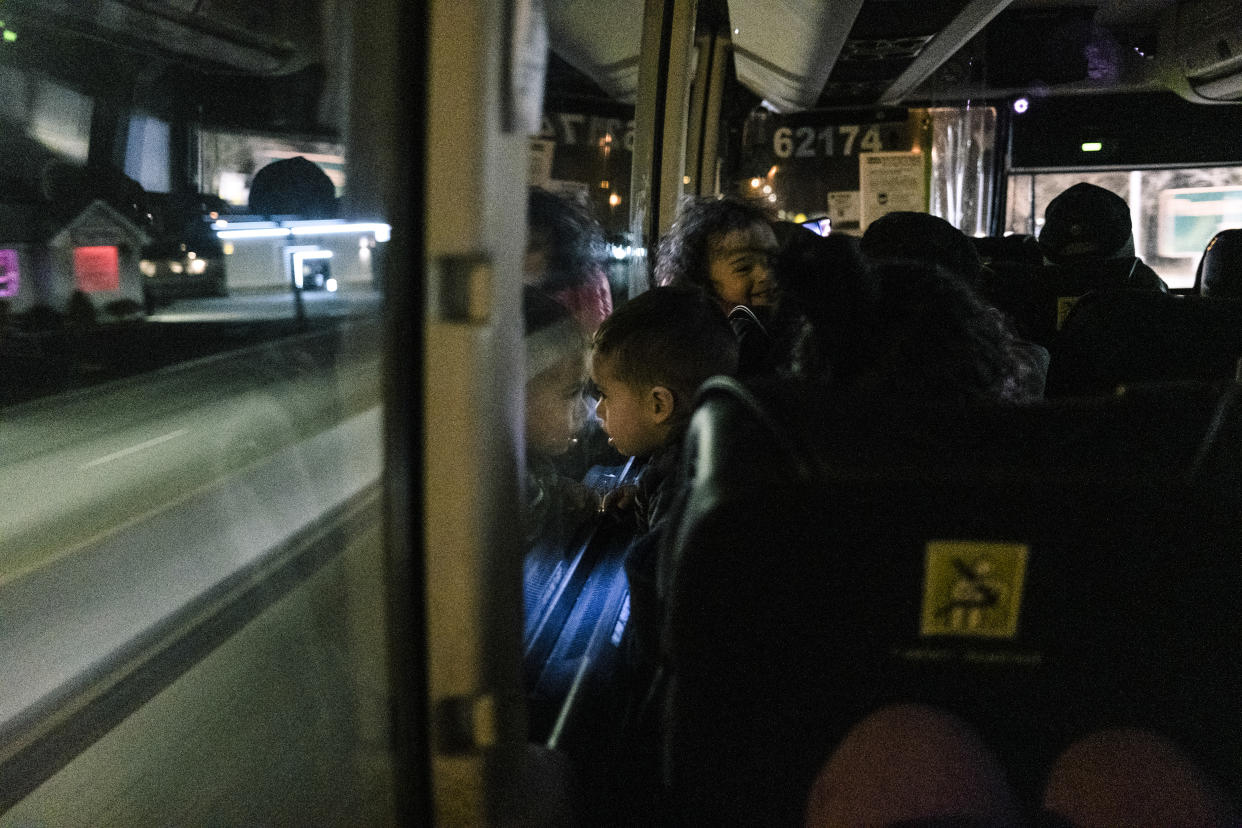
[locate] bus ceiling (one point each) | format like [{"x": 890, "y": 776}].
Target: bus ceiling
[
  {"x": 813, "y": 54},
  {"x": 274, "y": 37}
]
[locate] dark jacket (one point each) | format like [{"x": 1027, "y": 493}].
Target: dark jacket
[
  {"x": 657, "y": 489},
  {"x": 754, "y": 341}
]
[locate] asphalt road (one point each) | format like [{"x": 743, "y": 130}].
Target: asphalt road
[{"x": 76, "y": 466}]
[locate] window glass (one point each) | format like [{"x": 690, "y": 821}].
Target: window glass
[
  {"x": 1174, "y": 212},
  {"x": 60, "y": 119},
  {"x": 146, "y": 152},
  {"x": 190, "y": 428},
  {"x": 231, "y": 159}
]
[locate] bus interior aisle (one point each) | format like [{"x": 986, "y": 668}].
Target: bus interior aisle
[{"x": 829, "y": 569}]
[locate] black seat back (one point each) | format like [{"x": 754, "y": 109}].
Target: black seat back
[
  {"x": 1126, "y": 337},
  {"x": 1039, "y": 298},
  {"x": 1041, "y": 571}
]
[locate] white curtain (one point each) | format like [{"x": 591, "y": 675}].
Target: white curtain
[{"x": 963, "y": 179}]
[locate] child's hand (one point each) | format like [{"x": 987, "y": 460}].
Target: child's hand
[
  {"x": 579, "y": 499},
  {"x": 620, "y": 499}
]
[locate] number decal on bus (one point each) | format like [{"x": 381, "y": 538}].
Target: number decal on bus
[
  {"x": 570, "y": 129},
  {"x": 871, "y": 140},
  {"x": 807, "y": 142}
]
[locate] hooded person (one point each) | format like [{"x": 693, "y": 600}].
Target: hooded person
[
  {"x": 293, "y": 186},
  {"x": 1090, "y": 226}
]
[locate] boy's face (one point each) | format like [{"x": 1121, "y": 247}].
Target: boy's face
[
  {"x": 739, "y": 264},
  {"x": 632, "y": 417},
  {"x": 554, "y": 406}
]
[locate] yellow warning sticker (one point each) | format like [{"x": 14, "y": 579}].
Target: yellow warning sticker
[
  {"x": 1065, "y": 304},
  {"x": 973, "y": 589}
]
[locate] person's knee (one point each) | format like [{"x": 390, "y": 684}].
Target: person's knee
[
  {"x": 1136, "y": 778},
  {"x": 909, "y": 762}
]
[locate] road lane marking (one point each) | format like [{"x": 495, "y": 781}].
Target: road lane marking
[{"x": 125, "y": 452}]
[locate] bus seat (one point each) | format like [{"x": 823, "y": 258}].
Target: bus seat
[
  {"x": 1040, "y": 571},
  {"x": 1039, "y": 298},
  {"x": 1126, "y": 337},
  {"x": 1220, "y": 270},
  {"x": 1015, "y": 247}
]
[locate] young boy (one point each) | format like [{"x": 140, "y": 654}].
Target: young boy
[
  {"x": 647, "y": 362},
  {"x": 556, "y": 355}
]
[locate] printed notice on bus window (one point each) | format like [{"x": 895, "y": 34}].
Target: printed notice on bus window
[
  {"x": 889, "y": 182},
  {"x": 843, "y": 207}
]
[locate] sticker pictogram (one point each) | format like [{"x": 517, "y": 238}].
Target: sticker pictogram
[{"x": 973, "y": 589}]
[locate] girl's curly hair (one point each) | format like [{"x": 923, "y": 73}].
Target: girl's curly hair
[{"x": 681, "y": 258}]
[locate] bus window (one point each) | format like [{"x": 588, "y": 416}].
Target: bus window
[
  {"x": 192, "y": 570},
  {"x": 1174, "y": 212},
  {"x": 231, "y": 159}
]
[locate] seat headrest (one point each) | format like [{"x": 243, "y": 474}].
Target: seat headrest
[{"x": 1220, "y": 269}]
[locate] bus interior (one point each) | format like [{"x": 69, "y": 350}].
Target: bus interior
[{"x": 264, "y": 466}]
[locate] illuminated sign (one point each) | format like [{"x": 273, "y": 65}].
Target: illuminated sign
[
  {"x": 226, "y": 230},
  {"x": 10, "y": 274},
  {"x": 97, "y": 268}
]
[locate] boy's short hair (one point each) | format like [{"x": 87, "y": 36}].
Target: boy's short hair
[
  {"x": 670, "y": 336},
  {"x": 683, "y": 254}
]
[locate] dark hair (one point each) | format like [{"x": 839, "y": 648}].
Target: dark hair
[
  {"x": 682, "y": 256},
  {"x": 827, "y": 291},
  {"x": 293, "y": 186},
  {"x": 934, "y": 338},
  {"x": 670, "y": 336},
  {"x": 568, "y": 235},
  {"x": 925, "y": 238}
]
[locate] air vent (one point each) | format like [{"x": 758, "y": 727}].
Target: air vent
[
  {"x": 1209, "y": 44},
  {"x": 902, "y": 47}
]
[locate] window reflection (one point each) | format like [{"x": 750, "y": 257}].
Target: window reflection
[{"x": 189, "y": 428}]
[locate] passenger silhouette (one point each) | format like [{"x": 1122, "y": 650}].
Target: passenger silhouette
[
  {"x": 930, "y": 239},
  {"x": 1220, "y": 269},
  {"x": 929, "y": 336},
  {"x": 1088, "y": 228},
  {"x": 293, "y": 187},
  {"x": 924, "y": 238}
]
